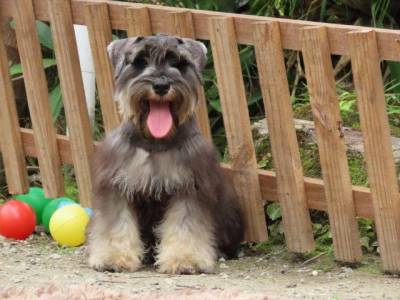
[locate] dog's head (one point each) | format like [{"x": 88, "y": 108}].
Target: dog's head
[{"x": 156, "y": 81}]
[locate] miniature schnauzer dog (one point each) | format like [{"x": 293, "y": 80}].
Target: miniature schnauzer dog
[{"x": 159, "y": 191}]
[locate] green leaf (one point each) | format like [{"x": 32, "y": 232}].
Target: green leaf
[
  {"x": 56, "y": 103},
  {"x": 216, "y": 104},
  {"x": 346, "y": 105},
  {"x": 17, "y": 68},
  {"x": 44, "y": 33},
  {"x": 394, "y": 67},
  {"x": 274, "y": 211}
]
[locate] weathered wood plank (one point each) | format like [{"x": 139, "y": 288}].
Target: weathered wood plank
[
  {"x": 332, "y": 150},
  {"x": 289, "y": 173},
  {"x": 73, "y": 95},
  {"x": 378, "y": 151},
  {"x": 182, "y": 23},
  {"x": 99, "y": 28},
  {"x": 138, "y": 21},
  {"x": 38, "y": 98},
  {"x": 387, "y": 39},
  {"x": 10, "y": 136},
  {"x": 237, "y": 124}
]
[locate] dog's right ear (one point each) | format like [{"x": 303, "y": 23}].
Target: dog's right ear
[{"x": 120, "y": 53}]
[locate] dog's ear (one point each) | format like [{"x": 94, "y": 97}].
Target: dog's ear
[
  {"x": 120, "y": 53},
  {"x": 198, "y": 52}
]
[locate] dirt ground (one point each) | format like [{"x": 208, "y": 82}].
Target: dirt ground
[{"x": 38, "y": 261}]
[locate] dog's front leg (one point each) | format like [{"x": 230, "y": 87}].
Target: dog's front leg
[
  {"x": 114, "y": 238},
  {"x": 187, "y": 242}
]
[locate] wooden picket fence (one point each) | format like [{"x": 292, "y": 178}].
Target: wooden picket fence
[{"x": 295, "y": 193}]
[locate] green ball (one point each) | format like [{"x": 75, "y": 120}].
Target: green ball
[
  {"x": 36, "y": 199},
  {"x": 50, "y": 209}
]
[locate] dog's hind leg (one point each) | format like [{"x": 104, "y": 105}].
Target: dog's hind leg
[
  {"x": 114, "y": 238},
  {"x": 187, "y": 243}
]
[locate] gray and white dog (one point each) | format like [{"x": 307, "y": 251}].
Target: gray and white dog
[{"x": 159, "y": 191}]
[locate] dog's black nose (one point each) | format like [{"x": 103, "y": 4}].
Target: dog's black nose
[{"x": 161, "y": 88}]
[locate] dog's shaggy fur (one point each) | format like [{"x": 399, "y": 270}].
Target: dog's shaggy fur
[{"x": 163, "y": 198}]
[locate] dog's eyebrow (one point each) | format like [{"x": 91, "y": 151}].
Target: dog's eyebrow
[{"x": 138, "y": 39}]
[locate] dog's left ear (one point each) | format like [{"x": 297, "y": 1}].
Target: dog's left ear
[
  {"x": 198, "y": 52},
  {"x": 120, "y": 52}
]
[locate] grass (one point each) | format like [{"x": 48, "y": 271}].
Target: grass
[{"x": 310, "y": 159}]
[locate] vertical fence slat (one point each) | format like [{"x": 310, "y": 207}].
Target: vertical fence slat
[
  {"x": 237, "y": 124},
  {"x": 182, "y": 23},
  {"x": 38, "y": 98},
  {"x": 97, "y": 20},
  {"x": 332, "y": 150},
  {"x": 73, "y": 95},
  {"x": 138, "y": 21},
  {"x": 10, "y": 140},
  {"x": 378, "y": 150},
  {"x": 285, "y": 149}
]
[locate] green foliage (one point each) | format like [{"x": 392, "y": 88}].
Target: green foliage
[
  {"x": 56, "y": 103},
  {"x": 16, "y": 69},
  {"x": 357, "y": 169},
  {"x": 44, "y": 33},
  {"x": 46, "y": 41},
  {"x": 71, "y": 188},
  {"x": 274, "y": 211}
]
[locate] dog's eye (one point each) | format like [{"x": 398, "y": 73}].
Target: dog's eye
[
  {"x": 140, "y": 63},
  {"x": 181, "y": 64}
]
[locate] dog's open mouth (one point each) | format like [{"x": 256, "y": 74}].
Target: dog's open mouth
[
  {"x": 159, "y": 115},
  {"x": 159, "y": 119}
]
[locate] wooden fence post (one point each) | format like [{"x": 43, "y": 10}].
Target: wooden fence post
[
  {"x": 237, "y": 124},
  {"x": 73, "y": 95},
  {"x": 332, "y": 150},
  {"x": 98, "y": 23},
  {"x": 38, "y": 98},
  {"x": 378, "y": 148},
  {"x": 10, "y": 136},
  {"x": 285, "y": 150}
]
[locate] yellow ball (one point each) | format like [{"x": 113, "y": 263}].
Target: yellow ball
[{"x": 68, "y": 225}]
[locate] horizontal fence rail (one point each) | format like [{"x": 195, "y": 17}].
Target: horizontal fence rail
[
  {"x": 387, "y": 40},
  {"x": 267, "y": 179},
  {"x": 296, "y": 194}
]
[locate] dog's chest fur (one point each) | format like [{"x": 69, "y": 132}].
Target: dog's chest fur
[{"x": 153, "y": 174}]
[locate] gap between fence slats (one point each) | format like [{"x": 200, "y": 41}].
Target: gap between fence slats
[
  {"x": 73, "y": 95},
  {"x": 182, "y": 25},
  {"x": 332, "y": 150},
  {"x": 237, "y": 125},
  {"x": 289, "y": 173},
  {"x": 378, "y": 151},
  {"x": 10, "y": 136},
  {"x": 38, "y": 98},
  {"x": 99, "y": 28}
]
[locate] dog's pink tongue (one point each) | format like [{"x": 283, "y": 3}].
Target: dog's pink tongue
[{"x": 159, "y": 120}]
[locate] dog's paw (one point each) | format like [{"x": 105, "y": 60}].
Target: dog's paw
[
  {"x": 185, "y": 265},
  {"x": 115, "y": 264}
]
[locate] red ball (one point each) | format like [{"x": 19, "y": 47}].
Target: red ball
[{"x": 17, "y": 220}]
